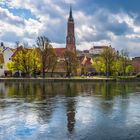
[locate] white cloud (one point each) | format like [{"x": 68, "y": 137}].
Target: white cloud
[
  {"x": 70, "y": 1},
  {"x": 50, "y": 19},
  {"x": 58, "y": 45}
]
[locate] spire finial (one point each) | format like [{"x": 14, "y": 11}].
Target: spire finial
[
  {"x": 70, "y": 8},
  {"x": 70, "y": 14}
]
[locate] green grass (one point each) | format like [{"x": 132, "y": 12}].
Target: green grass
[
  {"x": 102, "y": 77},
  {"x": 126, "y": 77}
]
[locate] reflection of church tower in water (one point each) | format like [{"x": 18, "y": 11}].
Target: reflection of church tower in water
[
  {"x": 70, "y": 39},
  {"x": 70, "y": 109},
  {"x": 71, "y": 115}
]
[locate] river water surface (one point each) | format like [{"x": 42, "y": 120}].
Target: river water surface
[{"x": 70, "y": 111}]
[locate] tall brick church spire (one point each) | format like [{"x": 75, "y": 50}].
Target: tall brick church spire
[
  {"x": 70, "y": 15},
  {"x": 70, "y": 39}
]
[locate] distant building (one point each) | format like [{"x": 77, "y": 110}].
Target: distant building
[
  {"x": 97, "y": 50},
  {"x": 86, "y": 64},
  {"x": 136, "y": 64},
  {"x": 85, "y": 52}
]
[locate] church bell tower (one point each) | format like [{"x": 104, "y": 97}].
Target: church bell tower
[{"x": 70, "y": 39}]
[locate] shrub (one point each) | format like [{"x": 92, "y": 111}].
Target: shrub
[{"x": 138, "y": 75}]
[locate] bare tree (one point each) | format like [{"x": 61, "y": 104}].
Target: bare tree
[
  {"x": 70, "y": 62},
  {"x": 44, "y": 44}
]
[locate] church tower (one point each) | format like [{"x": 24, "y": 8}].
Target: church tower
[{"x": 70, "y": 39}]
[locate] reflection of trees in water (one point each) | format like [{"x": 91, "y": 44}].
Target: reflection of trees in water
[
  {"x": 18, "y": 90},
  {"x": 31, "y": 92},
  {"x": 28, "y": 91},
  {"x": 45, "y": 109},
  {"x": 110, "y": 90},
  {"x": 2, "y": 90},
  {"x": 71, "y": 89},
  {"x": 107, "y": 95},
  {"x": 124, "y": 90},
  {"x": 44, "y": 91},
  {"x": 40, "y": 90}
]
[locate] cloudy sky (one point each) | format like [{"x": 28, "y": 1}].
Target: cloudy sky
[{"x": 115, "y": 22}]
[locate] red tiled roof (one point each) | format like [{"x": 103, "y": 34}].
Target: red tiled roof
[
  {"x": 86, "y": 51},
  {"x": 88, "y": 61},
  {"x": 19, "y": 49},
  {"x": 59, "y": 51},
  {"x": 100, "y": 47},
  {"x": 16, "y": 51}
]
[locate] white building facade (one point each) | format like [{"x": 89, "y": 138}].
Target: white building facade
[
  {"x": 6, "y": 54},
  {"x": 97, "y": 50}
]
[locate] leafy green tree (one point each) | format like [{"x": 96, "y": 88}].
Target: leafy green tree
[
  {"x": 124, "y": 60},
  {"x": 13, "y": 66},
  {"x": 98, "y": 64},
  {"x": 22, "y": 61},
  {"x": 35, "y": 61},
  {"x": 108, "y": 56},
  {"x": 111, "y": 62},
  {"x": 25, "y": 61},
  {"x": 117, "y": 67},
  {"x": 129, "y": 69}
]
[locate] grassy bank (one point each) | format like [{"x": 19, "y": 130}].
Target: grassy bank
[{"x": 72, "y": 79}]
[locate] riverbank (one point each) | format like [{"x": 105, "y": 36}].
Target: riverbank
[{"x": 75, "y": 79}]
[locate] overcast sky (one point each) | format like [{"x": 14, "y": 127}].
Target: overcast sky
[{"x": 115, "y": 22}]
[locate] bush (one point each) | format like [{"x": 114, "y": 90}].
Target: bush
[
  {"x": 138, "y": 75},
  {"x": 16, "y": 74}
]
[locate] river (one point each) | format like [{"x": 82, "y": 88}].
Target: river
[{"x": 70, "y": 111}]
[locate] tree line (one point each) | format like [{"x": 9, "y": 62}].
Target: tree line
[
  {"x": 41, "y": 59},
  {"x": 112, "y": 62}
]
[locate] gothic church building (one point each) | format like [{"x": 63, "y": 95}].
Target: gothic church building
[{"x": 70, "y": 38}]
